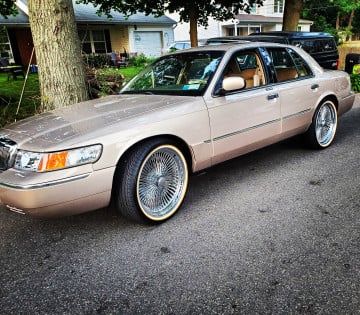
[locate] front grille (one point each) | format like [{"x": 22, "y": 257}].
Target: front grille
[{"x": 7, "y": 153}]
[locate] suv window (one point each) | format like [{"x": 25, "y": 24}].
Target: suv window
[
  {"x": 321, "y": 46},
  {"x": 315, "y": 45}
]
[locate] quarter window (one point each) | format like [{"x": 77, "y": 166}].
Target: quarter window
[{"x": 302, "y": 67}]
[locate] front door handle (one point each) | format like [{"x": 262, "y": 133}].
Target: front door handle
[{"x": 272, "y": 96}]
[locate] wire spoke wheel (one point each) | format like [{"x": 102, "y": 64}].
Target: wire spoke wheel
[
  {"x": 325, "y": 124},
  {"x": 162, "y": 182}
]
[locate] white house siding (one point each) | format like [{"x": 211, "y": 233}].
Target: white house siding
[
  {"x": 182, "y": 30},
  {"x": 215, "y": 28}
]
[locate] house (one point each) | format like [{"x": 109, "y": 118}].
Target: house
[
  {"x": 267, "y": 17},
  {"x": 136, "y": 34}
]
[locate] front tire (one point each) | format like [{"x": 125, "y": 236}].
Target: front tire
[
  {"x": 151, "y": 183},
  {"x": 322, "y": 130}
]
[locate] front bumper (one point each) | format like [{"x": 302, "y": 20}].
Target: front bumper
[{"x": 39, "y": 195}]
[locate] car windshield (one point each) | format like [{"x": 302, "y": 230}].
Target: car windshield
[{"x": 185, "y": 74}]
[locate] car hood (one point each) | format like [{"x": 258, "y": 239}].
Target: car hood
[{"x": 69, "y": 124}]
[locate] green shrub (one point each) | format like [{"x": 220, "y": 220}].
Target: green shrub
[
  {"x": 355, "y": 82},
  {"x": 140, "y": 60}
]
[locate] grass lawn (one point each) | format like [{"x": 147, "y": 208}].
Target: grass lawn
[
  {"x": 10, "y": 92},
  {"x": 130, "y": 72}
]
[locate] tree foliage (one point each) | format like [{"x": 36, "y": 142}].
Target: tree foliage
[
  {"x": 7, "y": 7},
  {"x": 196, "y": 12},
  {"x": 333, "y": 16},
  {"x": 219, "y": 9}
]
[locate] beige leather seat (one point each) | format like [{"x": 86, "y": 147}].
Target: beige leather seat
[{"x": 284, "y": 74}]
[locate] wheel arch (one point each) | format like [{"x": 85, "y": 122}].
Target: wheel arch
[
  {"x": 180, "y": 143},
  {"x": 329, "y": 97}
]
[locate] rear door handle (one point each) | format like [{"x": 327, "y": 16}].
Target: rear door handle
[
  {"x": 272, "y": 96},
  {"x": 315, "y": 86}
]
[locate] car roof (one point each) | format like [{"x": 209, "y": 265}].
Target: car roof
[{"x": 232, "y": 46}]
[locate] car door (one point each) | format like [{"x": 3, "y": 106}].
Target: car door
[
  {"x": 297, "y": 90},
  {"x": 246, "y": 119}
]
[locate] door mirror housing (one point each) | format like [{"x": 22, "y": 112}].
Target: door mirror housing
[{"x": 233, "y": 83}]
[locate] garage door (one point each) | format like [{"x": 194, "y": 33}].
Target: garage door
[{"x": 148, "y": 43}]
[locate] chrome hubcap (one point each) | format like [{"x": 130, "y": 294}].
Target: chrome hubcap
[
  {"x": 326, "y": 122},
  {"x": 162, "y": 182}
]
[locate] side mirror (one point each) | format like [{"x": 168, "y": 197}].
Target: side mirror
[{"x": 233, "y": 83}]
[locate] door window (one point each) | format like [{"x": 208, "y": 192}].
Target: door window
[
  {"x": 288, "y": 64},
  {"x": 246, "y": 64}
]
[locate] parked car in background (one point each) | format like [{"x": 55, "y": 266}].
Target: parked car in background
[
  {"x": 183, "y": 113},
  {"x": 321, "y": 46},
  {"x": 178, "y": 46},
  {"x": 232, "y": 39}
]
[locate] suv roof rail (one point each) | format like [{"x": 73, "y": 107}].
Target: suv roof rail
[{"x": 291, "y": 34}]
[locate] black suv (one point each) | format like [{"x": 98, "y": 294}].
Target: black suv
[{"x": 321, "y": 46}]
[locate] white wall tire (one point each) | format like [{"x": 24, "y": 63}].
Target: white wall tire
[
  {"x": 324, "y": 125},
  {"x": 151, "y": 183}
]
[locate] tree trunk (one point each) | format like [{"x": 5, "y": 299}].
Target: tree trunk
[
  {"x": 337, "y": 23},
  {"x": 193, "y": 27},
  {"x": 351, "y": 18},
  {"x": 292, "y": 13},
  {"x": 61, "y": 70}
]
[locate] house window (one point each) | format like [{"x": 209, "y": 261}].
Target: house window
[
  {"x": 278, "y": 6},
  {"x": 93, "y": 41},
  {"x": 5, "y": 46}
]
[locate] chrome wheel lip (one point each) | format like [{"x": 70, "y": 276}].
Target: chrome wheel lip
[
  {"x": 326, "y": 124},
  {"x": 162, "y": 182}
]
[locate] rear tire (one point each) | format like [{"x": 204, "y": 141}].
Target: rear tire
[
  {"x": 151, "y": 183},
  {"x": 322, "y": 130}
]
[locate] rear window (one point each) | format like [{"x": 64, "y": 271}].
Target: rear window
[{"x": 315, "y": 45}]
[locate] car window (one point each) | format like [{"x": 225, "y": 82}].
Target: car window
[
  {"x": 302, "y": 67},
  {"x": 177, "y": 74},
  {"x": 288, "y": 64},
  {"x": 247, "y": 65}
]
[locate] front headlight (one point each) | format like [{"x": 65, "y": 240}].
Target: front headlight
[{"x": 51, "y": 161}]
